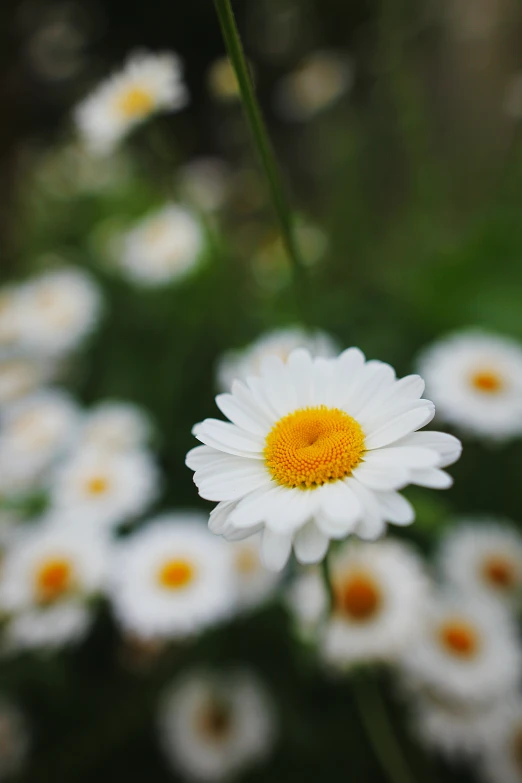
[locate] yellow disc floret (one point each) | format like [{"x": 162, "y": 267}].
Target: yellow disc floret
[
  {"x": 135, "y": 103},
  {"x": 313, "y": 446},
  {"x": 176, "y": 574},
  {"x": 53, "y": 579}
]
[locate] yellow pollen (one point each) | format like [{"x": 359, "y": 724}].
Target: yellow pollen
[
  {"x": 53, "y": 580},
  {"x": 97, "y": 485},
  {"x": 176, "y": 574},
  {"x": 135, "y": 103},
  {"x": 312, "y": 446},
  {"x": 500, "y": 572},
  {"x": 459, "y": 638},
  {"x": 358, "y": 596},
  {"x": 487, "y": 381}
]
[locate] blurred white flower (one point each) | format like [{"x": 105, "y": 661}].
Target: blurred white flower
[
  {"x": 57, "y": 309},
  {"x": 35, "y": 431},
  {"x": 48, "y": 573},
  {"x": 317, "y": 450},
  {"x": 239, "y": 364},
  {"x": 501, "y": 759},
  {"x": 22, "y": 374},
  {"x": 172, "y": 578},
  {"x": 380, "y": 591},
  {"x": 317, "y": 83},
  {"x": 221, "y": 81},
  {"x": 483, "y": 557},
  {"x": 255, "y": 583},
  {"x": 308, "y": 601},
  {"x": 475, "y": 380},
  {"x": 466, "y": 650},
  {"x": 213, "y": 726},
  {"x": 205, "y": 183},
  {"x": 163, "y": 247},
  {"x": 115, "y": 426},
  {"x": 105, "y": 487},
  {"x": 147, "y": 84},
  {"x": 14, "y": 739}
]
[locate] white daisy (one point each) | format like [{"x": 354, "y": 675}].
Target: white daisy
[
  {"x": 317, "y": 83},
  {"x": 466, "y": 650},
  {"x": 213, "y": 726},
  {"x": 316, "y": 450},
  {"x": 106, "y": 487},
  {"x": 35, "y": 431},
  {"x": 57, "y": 310},
  {"x": 379, "y": 592},
  {"x": 115, "y": 426},
  {"x": 475, "y": 380},
  {"x": 255, "y": 583},
  {"x": 22, "y": 374},
  {"x": 308, "y": 602},
  {"x": 239, "y": 364},
  {"x": 501, "y": 761},
  {"x": 222, "y": 81},
  {"x": 163, "y": 247},
  {"x": 172, "y": 578},
  {"x": 147, "y": 84},
  {"x": 205, "y": 183},
  {"x": 456, "y": 729},
  {"x": 48, "y": 573},
  {"x": 14, "y": 739},
  {"x": 483, "y": 557}
]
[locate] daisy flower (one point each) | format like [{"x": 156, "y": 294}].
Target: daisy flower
[
  {"x": 466, "y": 650},
  {"x": 57, "y": 310},
  {"x": 483, "y": 557},
  {"x": 308, "y": 602},
  {"x": 115, "y": 426},
  {"x": 317, "y": 449},
  {"x": 379, "y": 593},
  {"x": 147, "y": 84},
  {"x": 172, "y": 578},
  {"x": 501, "y": 761},
  {"x": 48, "y": 573},
  {"x": 205, "y": 183},
  {"x": 317, "y": 83},
  {"x": 213, "y": 726},
  {"x": 163, "y": 247},
  {"x": 21, "y": 374},
  {"x": 255, "y": 583},
  {"x": 475, "y": 380},
  {"x": 14, "y": 739},
  {"x": 221, "y": 80},
  {"x": 240, "y": 364},
  {"x": 106, "y": 487}
]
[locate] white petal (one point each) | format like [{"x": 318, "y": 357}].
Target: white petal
[
  {"x": 278, "y": 388},
  {"x": 371, "y": 525},
  {"x": 382, "y": 477},
  {"x": 256, "y": 506},
  {"x": 335, "y": 528},
  {"x": 231, "y": 534},
  {"x": 299, "y": 367},
  {"x": 218, "y": 520},
  {"x": 310, "y": 544},
  {"x": 339, "y": 502},
  {"x": 199, "y": 456},
  {"x": 396, "y": 508},
  {"x": 401, "y": 425},
  {"x": 374, "y": 379},
  {"x": 291, "y": 509},
  {"x": 275, "y": 549},
  {"x": 431, "y": 477},
  {"x": 402, "y": 456},
  {"x": 242, "y": 415},
  {"x": 233, "y": 480},
  {"x": 396, "y": 399},
  {"x": 449, "y": 447},
  {"x": 227, "y": 437}
]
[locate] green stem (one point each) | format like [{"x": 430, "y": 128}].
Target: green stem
[
  {"x": 258, "y": 130},
  {"x": 379, "y": 730}
]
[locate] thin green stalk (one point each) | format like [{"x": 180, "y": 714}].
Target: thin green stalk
[
  {"x": 379, "y": 730},
  {"x": 257, "y": 128}
]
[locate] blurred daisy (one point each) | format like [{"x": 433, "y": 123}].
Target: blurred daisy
[
  {"x": 318, "y": 82},
  {"x": 316, "y": 450},
  {"x": 221, "y": 80},
  {"x": 106, "y": 487},
  {"x": 21, "y": 375},
  {"x": 172, "y": 578},
  {"x": 48, "y": 573},
  {"x": 205, "y": 183},
  {"x": 35, "y": 431},
  {"x": 501, "y": 761},
  {"x": 475, "y": 380},
  {"x": 457, "y": 729},
  {"x": 255, "y": 583},
  {"x": 163, "y": 247},
  {"x": 466, "y": 650},
  {"x": 14, "y": 739},
  {"x": 213, "y": 726},
  {"x": 57, "y": 310},
  {"x": 483, "y": 557},
  {"x": 308, "y": 602},
  {"x": 115, "y": 426},
  {"x": 379, "y": 592},
  {"x": 147, "y": 84},
  {"x": 239, "y": 364}
]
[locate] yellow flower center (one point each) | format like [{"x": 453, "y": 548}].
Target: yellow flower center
[
  {"x": 53, "y": 579},
  {"x": 487, "y": 381},
  {"x": 459, "y": 638},
  {"x": 214, "y": 721},
  {"x": 176, "y": 574},
  {"x": 312, "y": 446},
  {"x": 135, "y": 103},
  {"x": 358, "y": 596},
  {"x": 499, "y": 572},
  {"x": 97, "y": 485}
]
